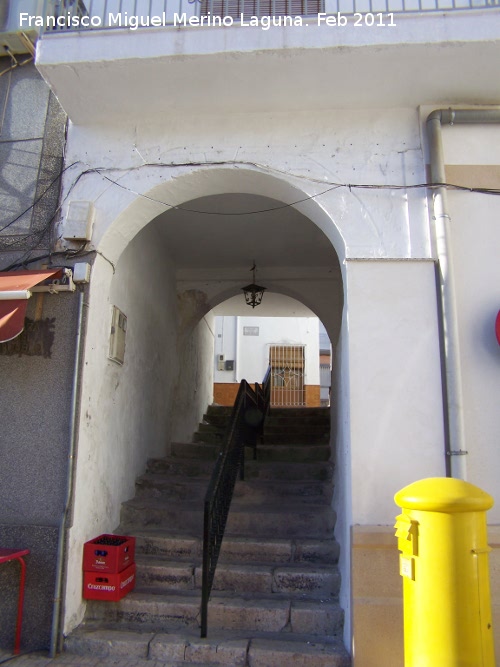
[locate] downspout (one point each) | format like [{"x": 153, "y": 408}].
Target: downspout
[
  {"x": 56, "y": 635},
  {"x": 456, "y": 451}
]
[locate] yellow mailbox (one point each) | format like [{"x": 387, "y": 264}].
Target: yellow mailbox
[{"x": 442, "y": 537}]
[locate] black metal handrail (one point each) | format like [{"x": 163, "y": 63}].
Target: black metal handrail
[
  {"x": 244, "y": 428},
  {"x": 264, "y": 392}
]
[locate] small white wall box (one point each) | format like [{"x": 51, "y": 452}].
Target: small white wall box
[
  {"x": 117, "y": 336},
  {"x": 81, "y": 272},
  {"x": 220, "y": 362},
  {"x": 79, "y": 221}
]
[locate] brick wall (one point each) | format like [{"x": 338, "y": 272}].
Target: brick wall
[
  {"x": 225, "y": 394},
  {"x": 313, "y": 399}
]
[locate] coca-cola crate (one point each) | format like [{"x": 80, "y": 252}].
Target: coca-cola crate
[
  {"x": 107, "y": 586},
  {"x": 108, "y": 553}
]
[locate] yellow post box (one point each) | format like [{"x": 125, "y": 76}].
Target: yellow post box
[{"x": 442, "y": 537}]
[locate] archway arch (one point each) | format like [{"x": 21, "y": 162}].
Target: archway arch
[
  {"x": 131, "y": 216},
  {"x": 130, "y": 412}
]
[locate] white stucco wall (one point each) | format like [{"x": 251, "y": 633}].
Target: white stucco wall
[
  {"x": 395, "y": 385},
  {"x": 473, "y": 152},
  {"x": 129, "y": 411},
  {"x": 194, "y": 387},
  {"x": 476, "y": 234},
  {"x": 371, "y": 146}
]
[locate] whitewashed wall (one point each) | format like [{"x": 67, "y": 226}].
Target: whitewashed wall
[
  {"x": 395, "y": 385},
  {"x": 130, "y": 412},
  {"x": 472, "y": 154}
]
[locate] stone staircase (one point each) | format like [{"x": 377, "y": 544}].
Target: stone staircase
[{"x": 274, "y": 599}]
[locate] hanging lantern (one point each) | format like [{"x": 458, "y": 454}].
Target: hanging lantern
[{"x": 253, "y": 293}]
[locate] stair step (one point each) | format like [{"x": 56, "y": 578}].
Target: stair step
[
  {"x": 284, "y": 426},
  {"x": 195, "y": 450},
  {"x": 210, "y": 428},
  {"x": 171, "y": 487},
  {"x": 275, "y": 653},
  {"x": 293, "y": 520},
  {"x": 180, "y": 467},
  {"x": 263, "y": 491},
  {"x": 274, "y": 599},
  {"x": 251, "y": 491},
  {"x": 286, "y": 470},
  {"x": 153, "y": 573},
  {"x": 299, "y": 413},
  {"x": 230, "y": 652},
  {"x": 158, "y": 543},
  {"x": 286, "y": 451},
  {"x": 220, "y": 410},
  {"x": 103, "y": 642},
  {"x": 209, "y": 437},
  {"x": 184, "y": 517},
  {"x": 300, "y": 422},
  {"x": 188, "y": 649},
  {"x": 297, "y": 580},
  {"x": 242, "y": 549},
  {"x": 297, "y": 453},
  {"x": 292, "y": 437},
  {"x": 262, "y": 614},
  {"x": 216, "y": 419},
  {"x": 264, "y": 470}
]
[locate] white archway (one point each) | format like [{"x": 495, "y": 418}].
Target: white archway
[{"x": 128, "y": 413}]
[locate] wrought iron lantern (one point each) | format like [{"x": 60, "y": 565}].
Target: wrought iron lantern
[{"x": 253, "y": 293}]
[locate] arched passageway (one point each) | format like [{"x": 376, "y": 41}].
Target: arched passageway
[{"x": 165, "y": 275}]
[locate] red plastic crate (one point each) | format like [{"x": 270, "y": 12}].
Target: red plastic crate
[
  {"x": 106, "y": 586},
  {"x": 113, "y": 558}
]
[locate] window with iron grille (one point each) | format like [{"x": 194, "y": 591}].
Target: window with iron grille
[{"x": 287, "y": 375}]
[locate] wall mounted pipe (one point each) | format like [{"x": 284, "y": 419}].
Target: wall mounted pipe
[
  {"x": 456, "y": 450},
  {"x": 56, "y": 634}
]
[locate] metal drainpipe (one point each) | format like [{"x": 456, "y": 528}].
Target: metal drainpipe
[
  {"x": 63, "y": 524},
  {"x": 456, "y": 450}
]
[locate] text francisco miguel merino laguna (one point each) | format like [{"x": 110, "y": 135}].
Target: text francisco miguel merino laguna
[{"x": 133, "y": 22}]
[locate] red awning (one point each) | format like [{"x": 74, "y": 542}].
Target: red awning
[{"x": 12, "y": 300}]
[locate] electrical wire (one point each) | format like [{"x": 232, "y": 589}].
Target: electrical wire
[
  {"x": 104, "y": 173},
  {"x": 332, "y": 186},
  {"x": 38, "y": 199}
]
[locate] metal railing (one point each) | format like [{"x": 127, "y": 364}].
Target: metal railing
[
  {"x": 264, "y": 393},
  {"x": 245, "y": 427},
  {"x": 78, "y": 15}
]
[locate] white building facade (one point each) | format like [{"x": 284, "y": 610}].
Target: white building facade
[{"x": 246, "y": 346}]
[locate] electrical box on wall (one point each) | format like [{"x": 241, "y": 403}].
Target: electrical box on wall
[
  {"x": 79, "y": 221},
  {"x": 220, "y": 362},
  {"x": 117, "y": 336},
  {"x": 229, "y": 365}
]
